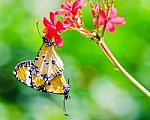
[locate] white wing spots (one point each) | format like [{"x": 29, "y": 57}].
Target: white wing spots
[
  {"x": 14, "y": 72},
  {"x": 28, "y": 79},
  {"x": 28, "y": 68}
]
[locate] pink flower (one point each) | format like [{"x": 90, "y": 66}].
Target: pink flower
[
  {"x": 73, "y": 8},
  {"x": 96, "y": 10},
  {"x": 52, "y": 29},
  {"x": 113, "y": 19},
  {"x": 71, "y": 11}
]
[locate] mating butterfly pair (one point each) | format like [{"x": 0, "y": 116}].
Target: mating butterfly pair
[{"x": 45, "y": 73}]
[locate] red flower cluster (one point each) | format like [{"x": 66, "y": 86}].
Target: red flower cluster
[
  {"x": 113, "y": 19},
  {"x": 72, "y": 19},
  {"x": 70, "y": 12},
  {"x": 52, "y": 29}
]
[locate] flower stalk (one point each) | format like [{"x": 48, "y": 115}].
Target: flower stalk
[
  {"x": 101, "y": 43},
  {"x": 111, "y": 57}
]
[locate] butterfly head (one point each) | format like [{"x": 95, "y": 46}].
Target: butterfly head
[
  {"x": 66, "y": 89},
  {"x": 45, "y": 40}
]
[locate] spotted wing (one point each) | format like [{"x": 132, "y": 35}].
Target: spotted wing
[
  {"x": 22, "y": 72},
  {"x": 54, "y": 86},
  {"x": 48, "y": 62}
]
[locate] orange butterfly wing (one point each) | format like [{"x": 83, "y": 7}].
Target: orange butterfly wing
[
  {"x": 56, "y": 85},
  {"x": 48, "y": 62},
  {"x": 45, "y": 73},
  {"x": 22, "y": 73}
]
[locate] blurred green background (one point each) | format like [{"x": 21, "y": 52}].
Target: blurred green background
[{"x": 98, "y": 92}]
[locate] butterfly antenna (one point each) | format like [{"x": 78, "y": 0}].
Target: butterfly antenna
[
  {"x": 64, "y": 107},
  {"x": 37, "y": 25}
]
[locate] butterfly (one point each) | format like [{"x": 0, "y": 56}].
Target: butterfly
[{"x": 45, "y": 73}]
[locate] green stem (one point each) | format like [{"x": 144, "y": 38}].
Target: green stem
[{"x": 111, "y": 57}]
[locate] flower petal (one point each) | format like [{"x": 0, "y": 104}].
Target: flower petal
[
  {"x": 48, "y": 37},
  {"x": 59, "y": 26},
  {"x": 66, "y": 5},
  {"x": 101, "y": 22},
  {"x": 110, "y": 27},
  {"x": 113, "y": 13},
  {"x": 52, "y": 17},
  {"x": 96, "y": 10},
  {"x": 118, "y": 20},
  {"x": 50, "y": 33},
  {"x": 82, "y": 6},
  {"x": 94, "y": 20},
  {"x": 47, "y": 23},
  {"x": 77, "y": 5},
  {"x": 103, "y": 15},
  {"x": 59, "y": 12},
  {"x": 68, "y": 23},
  {"x": 77, "y": 2},
  {"x": 58, "y": 40}
]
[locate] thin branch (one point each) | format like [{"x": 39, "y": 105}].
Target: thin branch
[
  {"x": 95, "y": 37},
  {"x": 111, "y": 57}
]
